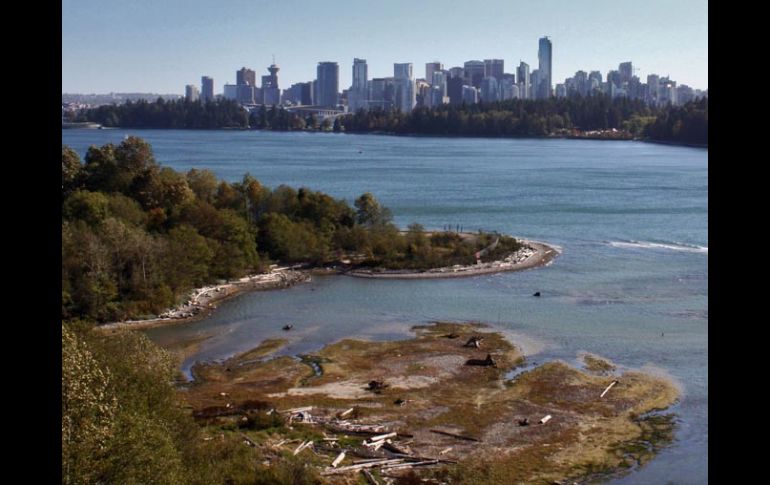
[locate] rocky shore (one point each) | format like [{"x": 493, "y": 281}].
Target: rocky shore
[
  {"x": 202, "y": 301},
  {"x": 531, "y": 255}
]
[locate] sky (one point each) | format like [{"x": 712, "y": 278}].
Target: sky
[{"x": 159, "y": 46}]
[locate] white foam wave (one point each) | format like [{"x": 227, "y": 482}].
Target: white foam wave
[{"x": 653, "y": 245}]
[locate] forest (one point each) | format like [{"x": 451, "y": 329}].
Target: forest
[
  {"x": 513, "y": 118},
  {"x": 137, "y": 236}
]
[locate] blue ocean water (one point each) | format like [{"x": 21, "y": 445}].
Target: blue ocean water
[{"x": 630, "y": 218}]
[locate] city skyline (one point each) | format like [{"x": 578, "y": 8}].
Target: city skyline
[{"x": 144, "y": 52}]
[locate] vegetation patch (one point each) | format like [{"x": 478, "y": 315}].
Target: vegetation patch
[{"x": 441, "y": 408}]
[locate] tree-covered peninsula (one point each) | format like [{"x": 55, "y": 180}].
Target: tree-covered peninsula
[
  {"x": 137, "y": 236},
  {"x": 580, "y": 117}
]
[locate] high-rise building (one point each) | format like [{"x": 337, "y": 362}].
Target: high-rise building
[
  {"x": 545, "y": 65},
  {"x": 494, "y": 68},
  {"x": 438, "y": 80},
  {"x": 595, "y": 75},
  {"x": 653, "y": 88},
  {"x": 207, "y": 89},
  {"x": 430, "y": 68},
  {"x": 581, "y": 83},
  {"x": 246, "y": 77},
  {"x": 327, "y": 84},
  {"x": 613, "y": 78},
  {"x": 522, "y": 74},
  {"x": 454, "y": 89},
  {"x": 191, "y": 93},
  {"x": 470, "y": 95},
  {"x": 534, "y": 83},
  {"x": 406, "y": 96},
  {"x": 561, "y": 91},
  {"x": 271, "y": 94},
  {"x": 474, "y": 73},
  {"x": 360, "y": 75},
  {"x": 230, "y": 91},
  {"x": 358, "y": 94},
  {"x": 456, "y": 72},
  {"x": 489, "y": 90},
  {"x": 402, "y": 70},
  {"x": 626, "y": 71}
]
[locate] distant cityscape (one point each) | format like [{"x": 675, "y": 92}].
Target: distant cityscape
[{"x": 474, "y": 82}]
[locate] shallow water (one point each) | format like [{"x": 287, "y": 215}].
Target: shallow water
[{"x": 631, "y": 219}]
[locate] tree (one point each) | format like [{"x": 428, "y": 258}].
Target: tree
[
  {"x": 370, "y": 213},
  {"x": 71, "y": 171}
]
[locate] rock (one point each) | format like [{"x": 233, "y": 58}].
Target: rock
[{"x": 537, "y": 293}]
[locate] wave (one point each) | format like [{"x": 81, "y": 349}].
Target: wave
[{"x": 690, "y": 248}]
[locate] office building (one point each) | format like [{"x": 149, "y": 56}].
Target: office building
[
  {"x": 430, "y": 68},
  {"x": 191, "y": 93},
  {"x": 545, "y": 64},
  {"x": 327, "y": 84},
  {"x": 522, "y": 75},
  {"x": 473, "y": 73},
  {"x": 494, "y": 68},
  {"x": 207, "y": 89}
]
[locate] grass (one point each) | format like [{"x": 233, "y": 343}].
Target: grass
[{"x": 587, "y": 434}]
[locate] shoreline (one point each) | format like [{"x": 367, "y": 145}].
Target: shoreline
[
  {"x": 203, "y": 301},
  {"x": 420, "y": 135},
  {"x": 543, "y": 255}
]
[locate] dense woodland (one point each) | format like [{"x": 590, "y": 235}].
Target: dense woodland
[
  {"x": 123, "y": 422},
  {"x": 137, "y": 237},
  {"x": 512, "y": 118},
  {"x": 174, "y": 114}
]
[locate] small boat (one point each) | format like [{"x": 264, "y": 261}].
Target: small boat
[{"x": 288, "y": 327}]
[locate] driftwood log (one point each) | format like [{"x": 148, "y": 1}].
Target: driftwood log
[{"x": 483, "y": 362}]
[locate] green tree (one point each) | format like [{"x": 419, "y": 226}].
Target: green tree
[{"x": 370, "y": 212}]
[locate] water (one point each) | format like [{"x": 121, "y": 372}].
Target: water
[{"x": 631, "y": 219}]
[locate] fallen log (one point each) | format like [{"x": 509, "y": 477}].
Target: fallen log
[
  {"x": 445, "y": 451},
  {"x": 453, "y": 435},
  {"x": 545, "y": 419},
  {"x": 398, "y": 466},
  {"x": 369, "y": 477},
  {"x": 483, "y": 362},
  {"x": 345, "y": 413},
  {"x": 301, "y": 447},
  {"x": 382, "y": 437},
  {"x": 396, "y": 448},
  {"x": 337, "y": 460},
  {"x": 608, "y": 388},
  {"x": 344, "y": 469}
]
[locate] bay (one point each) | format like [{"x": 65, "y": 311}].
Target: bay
[{"x": 631, "y": 220}]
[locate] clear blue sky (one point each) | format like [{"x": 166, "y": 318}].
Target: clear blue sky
[{"x": 161, "y": 45}]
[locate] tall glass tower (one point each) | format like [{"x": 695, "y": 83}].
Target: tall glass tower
[{"x": 544, "y": 57}]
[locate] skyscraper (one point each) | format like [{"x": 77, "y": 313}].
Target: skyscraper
[
  {"x": 494, "y": 68},
  {"x": 358, "y": 95},
  {"x": 246, "y": 77},
  {"x": 430, "y": 68},
  {"x": 191, "y": 93},
  {"x": 271, "y": 94},
  {"x": 522, "y": 74},
  {"x": 406, "y": 96},
  {"x": 474, "y": 73},
  {"x": 626, "y": 71},
  {"x": 327, "y": 84},
  {"x": 544, "y": 58},
  {"x": 207, "y": 89},
  {"x": 360, "y": 75}
]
